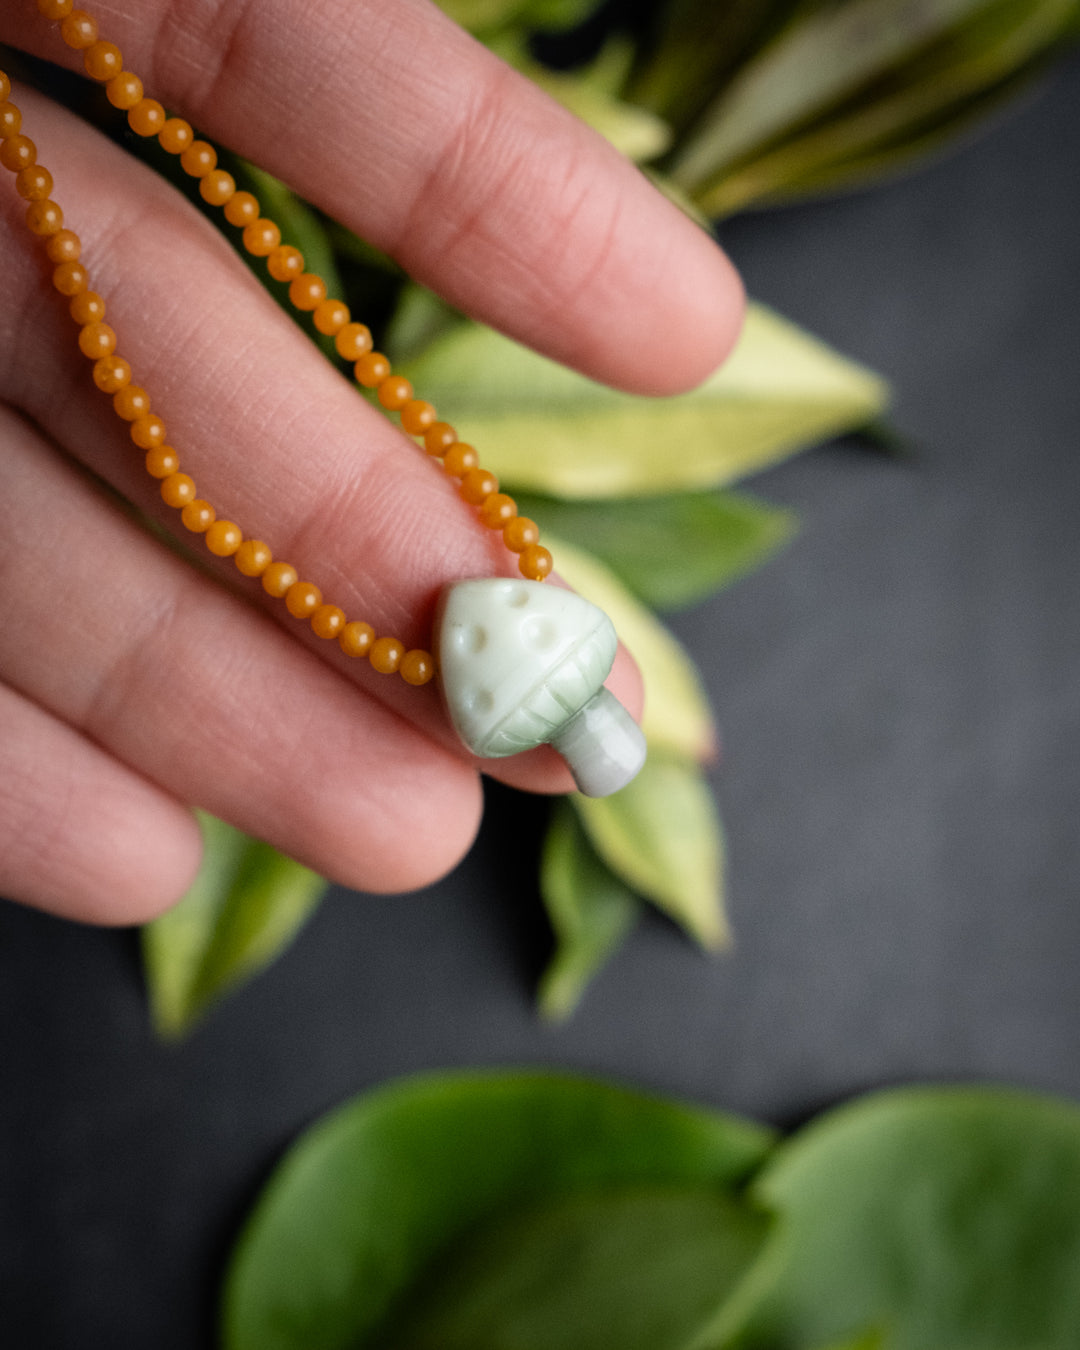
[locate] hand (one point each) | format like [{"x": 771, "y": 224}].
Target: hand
[{"x": 132, "y": 685}]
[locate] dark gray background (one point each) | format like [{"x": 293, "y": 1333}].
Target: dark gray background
[{"x": 900, "y": 700}]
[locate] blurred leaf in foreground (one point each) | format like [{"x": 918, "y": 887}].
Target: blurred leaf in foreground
[
  {"x": 591, "y": 912},
  {"x": 662, "y": 836},
  {"x": 940, "y": 1217},
  {"x": 387, "y": 1188},
  {"x": 247, "y": 904},
  {"x": 637, "y": 1269},
  {"x": 551, "y": 430},
  {"x": 671, "y": 551}
]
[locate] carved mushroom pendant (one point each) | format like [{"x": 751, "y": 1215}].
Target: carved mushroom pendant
[{"x": 523, "y": 664}]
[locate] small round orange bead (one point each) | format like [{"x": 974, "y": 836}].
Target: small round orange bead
[
  {"x": 18, "y": 152},
  {"x": 111, "y": 373},
  {"x": 328, "y": 621},
  {"x": 79, "y": 30},
  {"x": 97, "y": 340},
  {"x": 261, "y": 238},
  {"x": 54, "y": 9},
  {"x": 88, "y": 307},
  {"x": 44, "y": 218},
  {"x": 535, "y": 562},
  {"x": 130, "y": 402},
  {"x": 175, "y": 136},
  {"x": 307, "y": 291},
  {"x": 417, "y": 667},
  {"x": 70, "y": 278},
  {"x": 10, "y": 120},
  {"x": 353, "y": 342},
  {"x": 279, "y": 578},
  {"x": 102, "y": 61},
  {"x": 477, "y": 485},
  {"x": 5, "y": 87},
  {"x": 148, "y": 431},
  {"x": 198, "y": 516},
  {"x": 147, "y": 117},
  {"x": 460, "y": 459},
  {"x": 520, "y": 533},
  {"x": 178, "y": 489},
  {"x": 217, "y": 187},
  {"x": 303, "y": 599},
  {"x": 417, "y": 416},
  {"x": 385, "y": 655},
  {"x": 253, "y": 557},
  {"x": 125, "y": 90},
  {"x": 35, "y": 183},
  {"x": 243, "y": 209},
  {"x": 497, "y": 511},
  {"x": 162, "y": 461},
  {"x": 439, "y": 438},
  {"x": 64, "y": 246},
  {"x": 356, "y": 638},
  {"x": 394, "y": 392},
  {"x": 371, "y": 369},
  {"x": 223, "y": 538},
  {"x": 285, "y": 263},
  {"x": 199, "y": 159},
  {"x": 330, "y": 317}
]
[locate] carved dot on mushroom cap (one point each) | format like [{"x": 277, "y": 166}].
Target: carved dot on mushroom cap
[
  {"x": 515, "y": 594},
  {"x": 472, "y": 639},
  {"x": 539, "y": 633}
]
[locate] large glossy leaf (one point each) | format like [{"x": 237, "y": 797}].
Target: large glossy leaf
[
  {"x": 670, "y": 551},
  {"x": 548, "y": 429},
  {"x": 939, "y": 1219},
  {"x": 662, "y": 835},
  {"x": 637, "y": 1269},
  {"x": 677, "y": 716},
  {"x": 387, "y": 1185},
  {"x": 925, "y": 99},
  {"x": 247, "y": 904},
  {"x": 591, "y": 911},
  {"x": 814, "y": 65}
]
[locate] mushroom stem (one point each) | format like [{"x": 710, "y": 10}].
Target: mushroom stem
[{"x": 602, "y": 744}]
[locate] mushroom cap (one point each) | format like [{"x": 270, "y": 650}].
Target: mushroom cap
[{"x": 518, "y": 659}]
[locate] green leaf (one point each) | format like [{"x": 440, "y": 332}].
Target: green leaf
[
  {"x": 662, "y": 835},
  {"x": 551, "y": 430},
  {"x": 639, "y": 1269},
  {"x": 420, "y": 318},
  {"x": 380, "y": 1190},
  {"x": 670, "y": 551},
  {"x": 922, "y": 103},
  {"x": 946, "y": 1218},
  {"x": 677, "y": 717},
  {"x": 591, "y": 912},
  {"x": 816, "y": 63},
  {"x": 247, "y": 904}
]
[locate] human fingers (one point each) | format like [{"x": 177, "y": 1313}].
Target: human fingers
[
  {"x": 82, "y": 835},
  {"x": 397, "y": 123},
  {"x": 274, "y": 436},
  {"x": 190, "y": 688}
]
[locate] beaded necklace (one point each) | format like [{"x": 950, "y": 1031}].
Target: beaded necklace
[{"x": 518, "y": 670}]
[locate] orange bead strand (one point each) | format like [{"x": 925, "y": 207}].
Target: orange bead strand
[{"x": 307, "y": 291}]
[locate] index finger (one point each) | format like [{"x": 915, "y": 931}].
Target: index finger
[{"x": 394, "y": 121}]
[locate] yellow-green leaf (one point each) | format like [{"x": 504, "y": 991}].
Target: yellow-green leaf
[
  {"x": 677, "y": 716},
  {"x": 247, "y": 904},
  {"x": 549, "y": 429},
  {"x": 662, "y": 835},
  {"x": 591, "y": 911},
  {"x": 639, "y": 134}
]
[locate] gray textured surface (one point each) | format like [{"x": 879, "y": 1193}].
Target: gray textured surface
[{"x": 900, "y": 697}]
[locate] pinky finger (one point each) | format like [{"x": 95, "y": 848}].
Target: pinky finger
[{"x": 81, "y": 835}]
